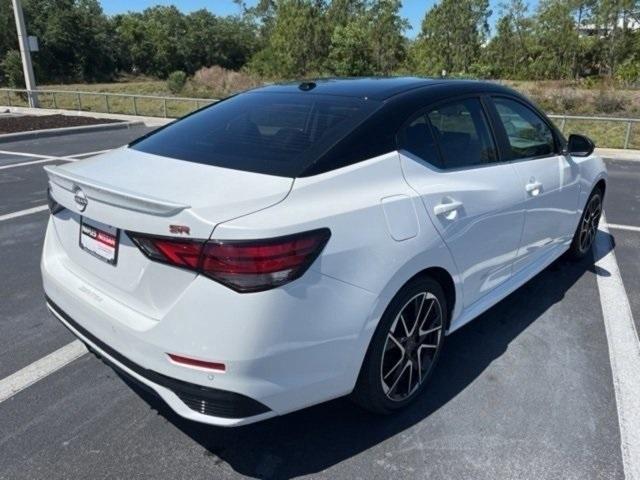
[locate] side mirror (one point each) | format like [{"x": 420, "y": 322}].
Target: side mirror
[{"x": 580, "y": 145}]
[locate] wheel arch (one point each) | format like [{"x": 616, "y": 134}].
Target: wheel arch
[
  {"x": 602, "y": 186},
  {"x": 445, "y": 279}
]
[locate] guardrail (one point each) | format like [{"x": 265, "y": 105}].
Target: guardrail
[
  {"x": 627, "y": 124},
  {"x": 106, "y": 102},
  {"x": 612, "y": 132}
]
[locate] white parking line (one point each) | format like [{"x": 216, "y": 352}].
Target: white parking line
[
  {"x": 39, "y": 369},
  {"x": 46, "y": 158},
  {"x": 23, "y": 154},
  {"x": 76, "y": 155},
  {"x": 22, "y": 213},
  {"x": 624, "y": 351},
  {"x": 32, "y": 162},
  {"x": 629, "y": 228}
]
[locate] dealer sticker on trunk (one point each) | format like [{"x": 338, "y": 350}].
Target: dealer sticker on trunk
[{"x": 99, "y": 239}]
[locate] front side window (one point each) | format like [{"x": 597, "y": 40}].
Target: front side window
[
  {"x": 528, "y": 135},
  {"x": 462, "y": 131}
]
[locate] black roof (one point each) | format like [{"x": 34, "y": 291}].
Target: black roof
[{"x": 376, "y": 88}]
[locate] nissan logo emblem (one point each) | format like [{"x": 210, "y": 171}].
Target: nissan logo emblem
[{"x": 80, "y": 198}]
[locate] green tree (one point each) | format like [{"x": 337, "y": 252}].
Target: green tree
[
  {"x": 134, "y": 49},
  {"x": 367, "y": 37},
  {"x": 508, "y": 53},
  {"x": 11, "y": 68},
  {"x": 298, "y": 40},
  {"x": 614, "y": 19},
  {"x": 452, "y": 35},
  {"x": 165, "y": 29},
  {"x": 387, "y": 39},
  {"x": 554, "y": 40},
  {"x": 351, "y": 53}
]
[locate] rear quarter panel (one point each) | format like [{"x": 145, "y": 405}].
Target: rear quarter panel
[{"x": 370, "y": 248}]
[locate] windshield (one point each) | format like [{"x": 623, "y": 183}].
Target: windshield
[{"x": 271, "y": 133}]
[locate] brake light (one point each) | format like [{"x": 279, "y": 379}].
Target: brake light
[
  {"x": 243, "y": 265},
  {"x": 178, "y": 252}
]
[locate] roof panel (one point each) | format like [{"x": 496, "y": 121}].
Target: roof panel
[{"x": 378, "y": 88}]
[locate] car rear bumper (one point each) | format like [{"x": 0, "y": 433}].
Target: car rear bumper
[{"x": 208, "y": 405}]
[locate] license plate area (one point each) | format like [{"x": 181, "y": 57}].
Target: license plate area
[{"x": 100, "y": 240}]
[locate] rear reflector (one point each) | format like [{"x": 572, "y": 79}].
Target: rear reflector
[
  {"x": 243, "y": 265},
  {"x": 192, "y": 362}
]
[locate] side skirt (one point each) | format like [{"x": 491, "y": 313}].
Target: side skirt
[{"x": 506, "y": 288}]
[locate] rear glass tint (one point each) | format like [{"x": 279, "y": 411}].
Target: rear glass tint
[{"x": 272, "y": 133}]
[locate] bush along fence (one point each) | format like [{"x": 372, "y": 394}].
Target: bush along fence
[{"x": 608, "y": 132}]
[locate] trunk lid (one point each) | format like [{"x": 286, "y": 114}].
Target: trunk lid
[
  {"x": 145, "y": 193},
  {"x": 138, "y": 191}
]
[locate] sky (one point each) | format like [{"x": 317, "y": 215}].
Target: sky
[{"x": 412, "y": 10}]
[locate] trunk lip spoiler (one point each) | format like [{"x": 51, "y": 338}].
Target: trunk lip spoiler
[{"x": 109, "y": 194}]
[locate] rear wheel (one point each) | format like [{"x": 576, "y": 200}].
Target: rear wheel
[
  {"x": 404, "y": 348},
  {"x": 588, "y": 227}
]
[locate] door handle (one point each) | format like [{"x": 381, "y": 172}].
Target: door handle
[
  {"x": 534, "y": 188},
  {"x": 447, "y": 209}
]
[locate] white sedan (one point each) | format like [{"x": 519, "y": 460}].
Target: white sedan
[{"x": 300, "y": 242}]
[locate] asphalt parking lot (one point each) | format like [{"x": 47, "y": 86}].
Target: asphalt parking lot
[{"x": 525, "y": 391}]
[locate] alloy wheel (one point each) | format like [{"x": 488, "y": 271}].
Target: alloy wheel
[
  {"x": 411, "y": 347},
  {"x": 589, "y": 223}
]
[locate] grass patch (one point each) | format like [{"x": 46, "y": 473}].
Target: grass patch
[{"x": 603, "y": 133}]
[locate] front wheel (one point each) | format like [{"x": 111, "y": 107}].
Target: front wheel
[
  {"x": 588, "y": 227},
  {"x": 404, "y": 349}
]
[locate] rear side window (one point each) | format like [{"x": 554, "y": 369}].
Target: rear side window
[
  {"x": 528, "y": 134},
  {"x": 462, "y": 131},
  {"x": 271, "y": 133},
  {"x": 417, "y": 138}
]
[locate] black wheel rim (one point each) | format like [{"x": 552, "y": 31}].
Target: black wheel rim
[
  {"x": 412, "y": 344},
  {"x": 589, "y": 223}
]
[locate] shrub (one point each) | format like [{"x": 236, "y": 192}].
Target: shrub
[
  {"x": 629, "y": 73},
  {"x": 222, "y": 82},
  {"x": 592, "y": 82},
  {"x": 608, "y": 102},
  {"x": 12, "y": 69},
  {"x": 566, "y": 101},
  {"x": 176, "y": 81}
]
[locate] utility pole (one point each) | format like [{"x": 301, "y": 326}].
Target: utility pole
[{"x": 25, "y": 53}]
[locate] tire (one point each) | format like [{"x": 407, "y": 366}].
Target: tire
[
  {"x": 391, "y": 376},
  {"x": 587, "y": 228}
]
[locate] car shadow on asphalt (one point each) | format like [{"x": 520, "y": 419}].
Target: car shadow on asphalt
[{"x": 316, "y": 438}]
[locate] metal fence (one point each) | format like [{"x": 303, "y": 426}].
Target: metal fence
[
  {"x": 103, "y": 102},
  {"x": 610, "y": 132},
  {"x": 621, "y": 128}
]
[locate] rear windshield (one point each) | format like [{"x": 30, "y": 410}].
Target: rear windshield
[{"x": 273, "y": 133}]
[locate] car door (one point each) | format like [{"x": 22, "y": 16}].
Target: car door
[
  {"x": 548, "y": 179},
  {"x": 449, "y": 156}
]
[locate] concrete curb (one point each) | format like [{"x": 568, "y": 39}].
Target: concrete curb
[
  {"x": 54, "y": 132},
  {"x": 148, "y": 121},
  {"x": 619, "y": 154}
]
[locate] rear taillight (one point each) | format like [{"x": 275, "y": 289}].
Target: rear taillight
[
  {"x": 243, "y": 265},
  {"x": 178, "y": 252}
]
